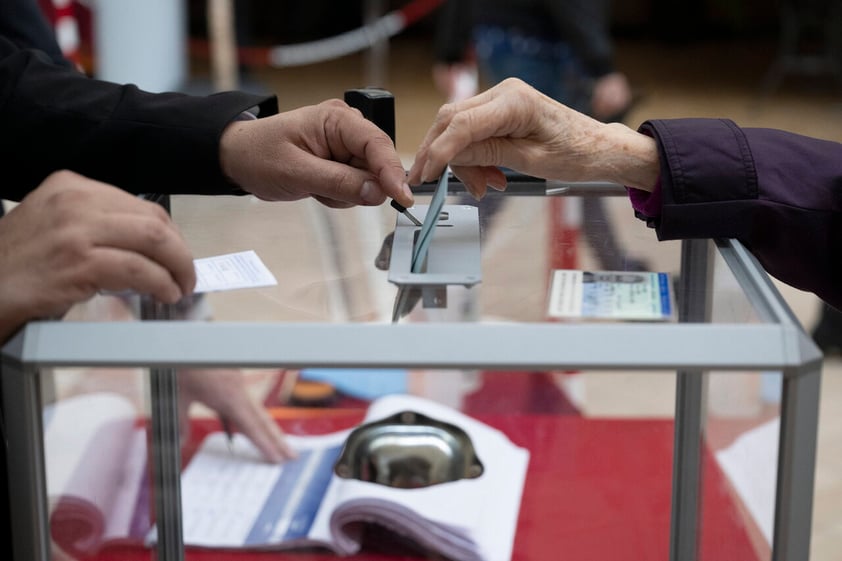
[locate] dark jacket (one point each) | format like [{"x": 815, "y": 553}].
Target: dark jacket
[
  {"x": 583, "y": 24},
  {"x": 55, "y": 118},
  {"x": 779, "y": 193}
]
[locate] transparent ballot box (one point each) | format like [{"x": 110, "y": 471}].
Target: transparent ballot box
[{"x": 514, "y": 396}]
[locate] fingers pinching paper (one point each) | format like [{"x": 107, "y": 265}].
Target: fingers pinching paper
[{"x": 431, "y": 219}]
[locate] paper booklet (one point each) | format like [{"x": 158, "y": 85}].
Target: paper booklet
[
  {"x": 233, "y": 499},
  {"x": 97, "y": 476}
]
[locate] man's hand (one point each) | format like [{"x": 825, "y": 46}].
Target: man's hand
[
  {"x": 513, "y": 125},
  {"x": 327, "y": 151},
  {"x": 73, "y": 236}
]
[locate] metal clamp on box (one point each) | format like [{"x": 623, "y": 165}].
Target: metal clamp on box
[
  {"x": 444, "y": 250},
  {"x": 422, "y": 264}
]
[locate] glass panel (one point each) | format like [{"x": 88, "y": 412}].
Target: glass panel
[
  {"x": 729, "y": 303},
  {"x": 739, "y": 468},
  {"x": 98, "y": 466},
  {"x": 598, "y": 474},
  {"x": 323, "y": 260},
  {"x": 599, "y": 443},
  {"x": 600, "y": 446},
  {"x": 741, "y": 433},
  {"x": 331, "y": 265},
  {"x": 576, "y": 497}
]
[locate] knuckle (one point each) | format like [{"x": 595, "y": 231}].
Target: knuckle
[
  {"x": 87, "y": 283},
  {"x": 62, "y": 190},
  {"x": 73, "y": 248},
  {"x": 83, "y": 273},
  {"x": 133, "y": 269},
  {"x": 334, "y": 103},
  {"x": 63, "y": 195},
  {"x": 62, "y": 178},
  {"x": 434, "y": 152},
  {"x": 461, "y": 120},
  {"x": 446, "y": 113},
  {"x": 345, "y": 180},
  {"x": 380, "y": 140},
  {"x": 154, "y": 231},
  {"x": 65, "y": 214},
  {"x": 492, "y": 152},
  {"x": 157, "y": 212},
  {"x": 334, "y": 111}
]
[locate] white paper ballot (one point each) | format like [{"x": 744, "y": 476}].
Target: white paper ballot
[
  {"x": 233, "y": 270},
  {"x": 751, "y": 465}
]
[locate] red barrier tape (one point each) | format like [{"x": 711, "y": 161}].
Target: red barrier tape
[{"x": 261, "y": 56}]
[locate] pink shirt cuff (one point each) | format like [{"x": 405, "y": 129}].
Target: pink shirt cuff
[{"x": 646, "y": 203}]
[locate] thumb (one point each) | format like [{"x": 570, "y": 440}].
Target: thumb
[{"x": 344, "y": 185}]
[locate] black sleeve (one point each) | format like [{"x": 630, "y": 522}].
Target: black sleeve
[
  {"x": 54, "y": 118},
  {"x": 779, "y": 193}
]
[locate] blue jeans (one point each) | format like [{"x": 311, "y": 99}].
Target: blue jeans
[{"x": 550, "y": 67}]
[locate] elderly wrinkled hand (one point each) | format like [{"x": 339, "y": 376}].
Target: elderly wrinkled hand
[{"x": 513, "y": 125}]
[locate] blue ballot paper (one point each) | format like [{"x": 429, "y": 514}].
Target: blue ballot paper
[
  {"x": 425, "y": 235},
  {"x": 362, "y": 383}
]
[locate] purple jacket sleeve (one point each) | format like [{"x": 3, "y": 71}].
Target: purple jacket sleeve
[
  {"x": 779, "y": 193},
  {"x": 55, "y": 118}
]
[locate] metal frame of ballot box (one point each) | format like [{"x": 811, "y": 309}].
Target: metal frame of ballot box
[{"x": 690, "y": 347}]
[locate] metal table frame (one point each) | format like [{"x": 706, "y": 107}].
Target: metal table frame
[{"x": 690, "y": 348}]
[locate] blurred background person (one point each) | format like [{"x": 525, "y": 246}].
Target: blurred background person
[
  {"x": 23, "y": 23},
  {"x": 563, "y": 48}
]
